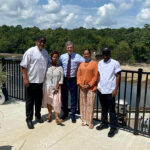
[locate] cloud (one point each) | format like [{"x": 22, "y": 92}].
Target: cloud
[
  {"x": 57, "y": 13},
  {"x": 108, "y": 14},
  {"x": 14, "y": 12},
  {"x": 29, "y": 13},
  {"x": 143, "y": 17},
  {"x": 53, "y": 6}
]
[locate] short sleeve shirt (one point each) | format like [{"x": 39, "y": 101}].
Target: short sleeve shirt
[
  {"x": 107, "y": 71},
  {"x": 36, "y": 62}
]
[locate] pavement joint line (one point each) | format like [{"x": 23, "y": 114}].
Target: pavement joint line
[
  {"x": 73, "y": 130},
  {"x": 22, "y": 144}
]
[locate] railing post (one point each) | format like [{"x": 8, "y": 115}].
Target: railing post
[
  {"x": 3, "y": 64},
  {"x": 138, "y": 97},
  {"x": 4, "y": 90}
]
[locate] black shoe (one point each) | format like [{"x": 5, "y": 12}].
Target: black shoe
[
  {"x": 112, "y": 132},
  {"x": 102, "y": 126},
  {"x": 73, "y": 119},
  {"x": 64, "y": 116},
  {"x": 39, "y": 120},
  {"x": 30, "y": 124}
]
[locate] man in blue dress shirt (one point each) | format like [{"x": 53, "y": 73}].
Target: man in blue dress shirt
[{"x": 70, "y": 62}]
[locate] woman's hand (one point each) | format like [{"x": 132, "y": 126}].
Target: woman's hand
[
  {"x": 87, "y": 86},
  {"x": 56, "y": 91},
  {"x": 57, "y": 88},
  {"x": 84, "y": 86}
]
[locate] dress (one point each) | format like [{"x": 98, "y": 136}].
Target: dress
[
  {"x": 54, "y": 76},
  {"x": 87, "y": 75}
]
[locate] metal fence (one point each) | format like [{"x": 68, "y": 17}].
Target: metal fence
[{"x": 132, "y": 101}]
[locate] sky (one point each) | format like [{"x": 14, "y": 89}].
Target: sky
[{"x": 73, "y": 14}]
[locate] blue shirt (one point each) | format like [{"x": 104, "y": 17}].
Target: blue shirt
[{"x": 76, "y": 59}]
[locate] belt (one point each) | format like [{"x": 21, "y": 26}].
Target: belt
[{"x": 71, "y": 78}]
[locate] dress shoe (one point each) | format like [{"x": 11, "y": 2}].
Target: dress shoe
[
  {"x": 73, "y": 119},
  {"x": 112, "y": 132},
  {"x": 102, "y": 126},
  {"x": 49, "y": 118},
  {"x": 30, "y": 124},
  {"x": 64, "y": 116},
  {"x": 39, "y": 120}
]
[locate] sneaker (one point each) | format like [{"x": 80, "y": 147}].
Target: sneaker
[
  {"x": 112, "y": 132},
  {"x": 102, "y": 126}
]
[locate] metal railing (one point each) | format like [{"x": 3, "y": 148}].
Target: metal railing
[{"x": 134, "y": 89}]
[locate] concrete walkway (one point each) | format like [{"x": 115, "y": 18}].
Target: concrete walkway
[{"x": 14, "y": 134}]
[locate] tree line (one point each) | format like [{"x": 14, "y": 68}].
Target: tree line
[{"x": 128, "y": 45}]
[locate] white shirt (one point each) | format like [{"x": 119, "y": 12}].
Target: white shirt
[
  {"x": 107, "y": 71},
  {"x": 36, "y": 62}
]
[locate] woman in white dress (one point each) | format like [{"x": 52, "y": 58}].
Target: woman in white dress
[{"x": 52, "y": 88}]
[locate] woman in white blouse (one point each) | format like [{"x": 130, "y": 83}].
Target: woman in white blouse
[{"x": 52, "y": 88}]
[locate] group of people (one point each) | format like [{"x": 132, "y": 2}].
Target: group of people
[{"x": 48, "y": 80}]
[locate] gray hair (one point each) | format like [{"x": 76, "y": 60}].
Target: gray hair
[{"x": 69, "y": 43}]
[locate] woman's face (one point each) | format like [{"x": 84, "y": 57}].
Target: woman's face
[
  {"x": 55, "y": 58},
  {"x": 86, "y": 54}
]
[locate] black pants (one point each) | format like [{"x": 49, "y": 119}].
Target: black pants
[
  {"x": 108, "y": 105},
  {"x": 71, "y": 85},
  {"x": 33, "y": 97}
]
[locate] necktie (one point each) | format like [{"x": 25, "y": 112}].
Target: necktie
[{"x": 69, "y": 66}]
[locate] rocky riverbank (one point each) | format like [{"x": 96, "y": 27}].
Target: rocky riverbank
[{"x": 145, "y": 67}]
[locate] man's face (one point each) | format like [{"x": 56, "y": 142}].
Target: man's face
[
  {"x": 106, "y": 56},
  {"x": 40, "y": 44},
  {"x": 69, "y": 49}
]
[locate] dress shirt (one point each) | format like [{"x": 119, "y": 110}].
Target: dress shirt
[
  {"x": 76, "y": 59},
  {"x": 107, "y": 71},
  {"x": 36, "y": 62}
]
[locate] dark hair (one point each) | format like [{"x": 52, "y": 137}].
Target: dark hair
[
  {"x": 87, "y": 50},
  {"x": 54, "y": 52}
]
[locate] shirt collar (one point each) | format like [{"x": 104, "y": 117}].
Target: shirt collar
[
  {"x": 38, "y": 48},
  {"x": 109, "y": 60},
  {"x": 71, "y": 54}
]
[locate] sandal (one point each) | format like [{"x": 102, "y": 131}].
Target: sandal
[
  {"x": 83, "y": 124},
  {"x": 91, "y": 126}
]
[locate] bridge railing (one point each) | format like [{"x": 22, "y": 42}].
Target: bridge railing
[{"x": 132, "y": 100}]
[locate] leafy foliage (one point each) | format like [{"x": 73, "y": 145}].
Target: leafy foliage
[{"x": 127, "y": 45}]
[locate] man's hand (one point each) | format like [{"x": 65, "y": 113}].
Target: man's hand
[
  {"x": 26, "y": 82},
  {"x": 114, "y": 93}
]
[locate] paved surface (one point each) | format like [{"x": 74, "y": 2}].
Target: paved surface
[{"x": 14, "y": 134}]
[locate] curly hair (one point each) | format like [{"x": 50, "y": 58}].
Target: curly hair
[{"x": 54, "y": 52}]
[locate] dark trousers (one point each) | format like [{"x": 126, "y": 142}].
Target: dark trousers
[
  {"x": 71, "y": 85},
  {"x": 33, "y": 97},
  {"x": 108, "y": 105}
]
